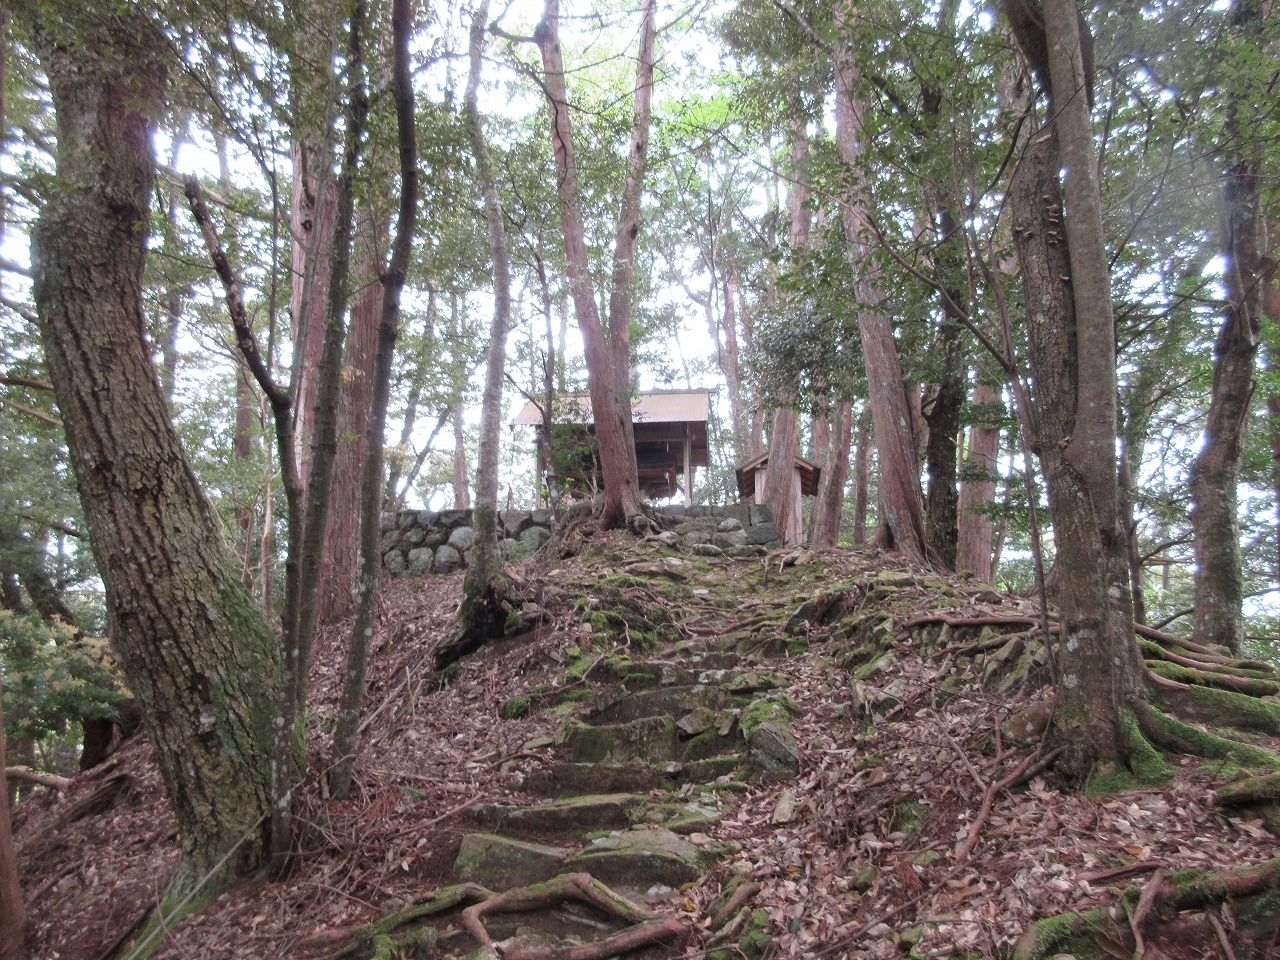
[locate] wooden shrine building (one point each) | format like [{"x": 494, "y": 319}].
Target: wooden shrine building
[
  {"x": 670, "y": 431},
  {"x": 751, "y": 480}
]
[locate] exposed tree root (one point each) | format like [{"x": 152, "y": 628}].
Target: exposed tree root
[
  {"x": 378, "y": 938},
  {"x": 647, "y": 927},
  {"x": 1173, "y": 735},
  {"x": 1162, "y": 898},
  {"x": 50, "y": 780},
  {"x": 1254, "y": 790}
]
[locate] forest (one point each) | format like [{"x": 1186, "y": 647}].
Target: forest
[{"x": 725, "y": 478}]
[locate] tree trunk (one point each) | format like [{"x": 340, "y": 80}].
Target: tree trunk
[
  {"x": 461, "y": 469},
  {"x": 974, "y": 544},
  {"x": 1072, "y": 350},
  {"x": 828, "y": 505},
  {"x": 342, "y": 538},
  {"x": 202, "y": 661},
  {"x": 607, "y": 353},
  {"x": 480, "y": 615},
  {"x": 780, "y": 491},
  {"x": 862, "y": 477},
  {"x": 891, "y": 414},
  {"x": 13, "y": 916},
  {"x": 370, "y": 554},
  {"x": 1215, "y": 472}
]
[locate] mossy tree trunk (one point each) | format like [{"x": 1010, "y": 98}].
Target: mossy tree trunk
[
  {"x": 200, "y": 658},
  {"x": 13, "y": 916},
  {"x": 1071, "y": 328}
]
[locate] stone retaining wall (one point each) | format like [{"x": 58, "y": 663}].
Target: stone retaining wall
[{"x": 438, "y": 541}]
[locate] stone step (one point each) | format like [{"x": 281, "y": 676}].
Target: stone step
[
  {"x": 651, "y": 739},
  {"x": 501, "y": 863},
  {"x": 618, "y": 705},
  {"x": 567, "y": 817},
  {"x": 644, "y": 857},
  {"x": 565, "y": 779}
]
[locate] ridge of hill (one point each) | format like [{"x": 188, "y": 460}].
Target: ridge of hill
[{"x": 692, "y": 753}]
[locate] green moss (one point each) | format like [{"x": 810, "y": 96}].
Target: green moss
[
  {"x": 908, "y": 817},
  {"x": 870, "y": 669},
  {"x": 1146, "y": 766},
  {"x": 515, "y": 708},
  {"x": 1237, "y": 709},
  {"x": 777, "y": 707},
  {"x": 1173, "y": 734},
  {"x": 756, "y": 937}
]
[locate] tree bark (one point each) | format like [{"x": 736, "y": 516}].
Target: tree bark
[
  {"x": 201, "y": 659},
  {"x": 828, "y": 504},
  {"x": 393, "y": 278},
  {"x": 607, "y": 352},
  {"x": 1072, "y": 350},
  {"x": 862, "y": 477},
  {"x": 342, "y": 536},
  {"x": 975, "y": 534},
  {"x": 780, "y": 475},
  {"x": 900, "y": 500},
  {"x": 1215, "y": 472}
]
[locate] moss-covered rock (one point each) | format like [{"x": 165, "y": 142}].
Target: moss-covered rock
[
  {"x": 642, "y": 857},
  {"x": 652, "y": 739},
  {"x": 501, "y": 862},
  {"x": 515, "y": 708}
]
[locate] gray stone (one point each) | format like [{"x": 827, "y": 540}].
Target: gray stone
[
  {"x": 420, "y": 560},
  {"x": 619, "y": 705},
  {"x": 535, "y": 537},
  {"x": 541, "y": 517},
  {"x": 576, "y": 778},
  {"x": 387, "y": 521},
  {"x": 514, "y": 522},
  {"x": 501, "y": 863},
  {"x": 447, "y": 559},
  {"x": 762, "y": 534},
  {"x": 572, "y": 816},
  {"x": 413, "y": 536},
  {"x": 668, "y": 538},
  {"x": 408, "y": 518},
  {"x": 771, "y": 750},
  {"x": 652, "y": 739},
  {"x": 707, "y": 550},
  {"x": 435, "y": 536},
  {"x": 462, "y": 538},
  {"x": 641, "y": 858},
  {"x": 427, "y": 518},
  {"x": 454, "y": 518},
  {"x": 760, "y": 513},
  {"x": 394, "y": 562},
  {"x": 728, "y": 525},
  {"x": 734, "y": 538},
  {"x": 696, "y": 721},
  {"x": 390, "y": 539}
]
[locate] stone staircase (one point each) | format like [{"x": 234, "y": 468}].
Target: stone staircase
[{"x": 641, "y": 772}]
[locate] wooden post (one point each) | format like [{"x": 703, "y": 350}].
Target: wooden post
[{"x": 688, "y": 467}]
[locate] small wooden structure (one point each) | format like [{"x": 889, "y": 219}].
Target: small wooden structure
[
  {"x": 670, "y": 431},
  {"x": 751, "y": 480}
]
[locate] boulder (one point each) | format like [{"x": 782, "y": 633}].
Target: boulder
[
  {"x": 535, "y": 537},
  {"x": 734, "y": 538},
  {"x": 426, "y": 518},
  {"x": 762, "y": 534},
  {"x": 728, "y": 525},
  {"x": 390, "y": 540},
  {"x": 420, "y": 560},
  {"x": 447, "y": 559},
  {"x": 454, "y": 518},
  {"x": 394, "y": 562},
  {"x": 413, "y": 537},
  {"x": 462, "y": 538},
  {"x": 514, "y": 522},
  {"x": 572, "y": 816},
  {"x": 387, "y": 521}
]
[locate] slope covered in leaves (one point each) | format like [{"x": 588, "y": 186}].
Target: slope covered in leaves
[{"x": 918, "y": 812}]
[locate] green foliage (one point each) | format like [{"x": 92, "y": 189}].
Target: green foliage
[{"x": 53, "y": 677}]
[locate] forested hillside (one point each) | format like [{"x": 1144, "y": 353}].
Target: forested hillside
[{"x": 730, "y": 479}]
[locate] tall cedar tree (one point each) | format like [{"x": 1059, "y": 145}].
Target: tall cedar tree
[
  {"x": 891, "y": 414},
  {"x": 608, "y": 352},
  {"x": 195, "y": 650}
]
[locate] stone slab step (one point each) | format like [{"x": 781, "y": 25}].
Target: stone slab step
[
  {"x": 643, "y": 857},
  {"x": 652, "y": 739},
  {"x": 619, "y": 705},
  {"x": 567, "y": 817},
  {"x": 501, "y": 863},
  {"x": 569, "y": 779}
]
